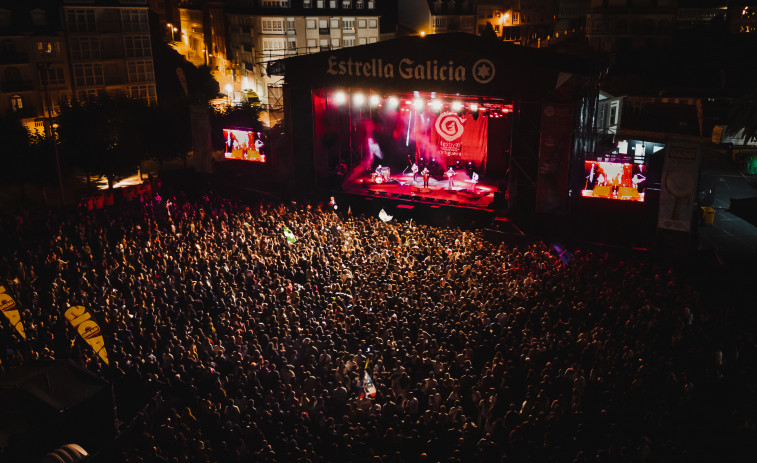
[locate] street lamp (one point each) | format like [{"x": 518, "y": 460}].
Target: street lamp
[
  {"x": 173, "y": 30},
  {"x": 229, "y": 91}
]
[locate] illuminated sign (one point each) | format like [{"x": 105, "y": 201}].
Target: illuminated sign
[{"x": 482, "y": 71}]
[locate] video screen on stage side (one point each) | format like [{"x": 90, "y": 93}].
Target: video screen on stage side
[
  {"x": 614, "y": 180},
  {"x": 245, "y": 145}
]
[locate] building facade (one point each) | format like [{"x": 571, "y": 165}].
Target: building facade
[
  {"x": 34, "y": 68},
  {"x": 437, "y": 16},
  {"x": 622, "y": 25},
  {"x": 264, "y": 30},
  {"x": 109, "y": 48}
]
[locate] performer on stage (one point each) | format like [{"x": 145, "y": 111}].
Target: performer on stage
[
  {"x": 474, "y": 181},
  {"x": 414, "y": 169},
  {"x": 637, "y": 180},
  {"x": 450, "y": 175},
  {"x": 426, "y": 174}
]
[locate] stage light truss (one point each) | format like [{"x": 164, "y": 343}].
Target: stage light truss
[{"x": 421, "y": 101}]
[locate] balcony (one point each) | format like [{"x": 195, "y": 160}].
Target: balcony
[
  {"x": 26, "y": 112},
  {"x": 13, "y": 57},
  {"x": 109, "y": 27},
  {"x": 115, "y": 78},
  {"x": 16, "y": 86},
  {"x": 112, "y": 53}
]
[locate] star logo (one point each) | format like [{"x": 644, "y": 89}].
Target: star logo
[{"x": 483, "y": 71}]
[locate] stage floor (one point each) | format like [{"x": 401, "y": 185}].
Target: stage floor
[{"x": 402, "y": 186}]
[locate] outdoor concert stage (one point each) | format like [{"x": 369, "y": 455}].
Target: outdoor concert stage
[
  {"x": 500, "y": 119},
  {"x": 402, "y": 186}
]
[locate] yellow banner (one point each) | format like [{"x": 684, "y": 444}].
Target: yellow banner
[
  {"x": 82, "y": 321},
  {"x": 10, "y": 310}
]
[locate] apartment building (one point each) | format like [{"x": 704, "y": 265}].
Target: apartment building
[
  {"x": 524, "y": 22},
  {"x": 34, "y": 72},
  {"x": 622, "y": 25},
  {"x": 438, "y": 16},
  {"x": 263, "y": 30},
  {"x": 109, "y": 49},
  {"x": 201, "y": 37}
]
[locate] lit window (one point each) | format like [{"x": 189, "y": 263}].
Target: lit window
[{"x": 17, "y": 103}]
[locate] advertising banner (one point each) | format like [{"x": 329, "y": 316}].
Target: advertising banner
[
  {"x": 678, "y": 187},
  {"x": 88, "y": 329},
  {"x": 10, "y": 310}
]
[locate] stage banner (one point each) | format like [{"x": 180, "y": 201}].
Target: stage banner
[
  {"x": 10, "y": 310},
  {"x": 475, "y": 140},
  {"x": 88, "y": 329},
  {"x": 554, "y": 158},
  {"x": 680, "y": 175},
  {"x": 461, "y": 138},
  {"x": 449, "y": 130}
]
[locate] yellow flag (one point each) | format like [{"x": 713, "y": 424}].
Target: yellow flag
[
  {"x": 10, "y": 310},
  {"x": 82, "y": 321}
]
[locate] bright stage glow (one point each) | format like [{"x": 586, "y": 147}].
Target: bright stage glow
[
  {"x": 437, "y": 105},
  {"x": 474, "y": 107},
  {"x": 340, "y": 98},
  {"x": 457, "y": 106},
  {"x": 375, "y": 100},
  {"x": 358, "y": 99},
  {"x": 229, "y": 88},
  {"x": 393, "y": 102},
  {"x": 418, "y": 104}
]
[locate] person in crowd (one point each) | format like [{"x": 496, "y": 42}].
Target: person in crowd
[{"x": 249, "y": 346}]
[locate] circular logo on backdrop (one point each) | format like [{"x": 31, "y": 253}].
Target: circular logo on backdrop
[
  {"x": 483, "y": 71},
  {"x": 449, "y": 126}
]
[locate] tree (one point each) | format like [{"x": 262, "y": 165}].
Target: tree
[
  {"x": 103, "y": 136},
  {"x": 245, "y": 115},
  {"x": 489, "y": 33},
  {"x": 16, "y": 140},
  {"x": 743, "y": 116},
  {"x": 166, "y": 132},
  {"x": 179, "y": 81}
]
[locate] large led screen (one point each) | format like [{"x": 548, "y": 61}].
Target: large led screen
[
  {"x": 614, "y": 180},
  {"x": 245, "y": 145}
]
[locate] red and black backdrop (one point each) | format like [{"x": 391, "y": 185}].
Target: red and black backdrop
[{"x": 516, "y": 108}]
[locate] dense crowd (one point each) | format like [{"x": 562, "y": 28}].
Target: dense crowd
[{"x": 258, "y": 347}]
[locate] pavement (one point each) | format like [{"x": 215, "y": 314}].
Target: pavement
[{"x": 730, "y": 238}]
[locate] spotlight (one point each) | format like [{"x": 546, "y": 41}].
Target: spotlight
[
  {"x": 340, "y": 98},
  {"x": 474, "y": 107},
  {"x": 457, "y": 106},
  {"x": 375, "y": 100},
  {"x": 358, "y": 99},
  {"x": 418, "y": 104},
  {"x": 393, "y": 102},
  {"x": 436, "y": 105}
]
